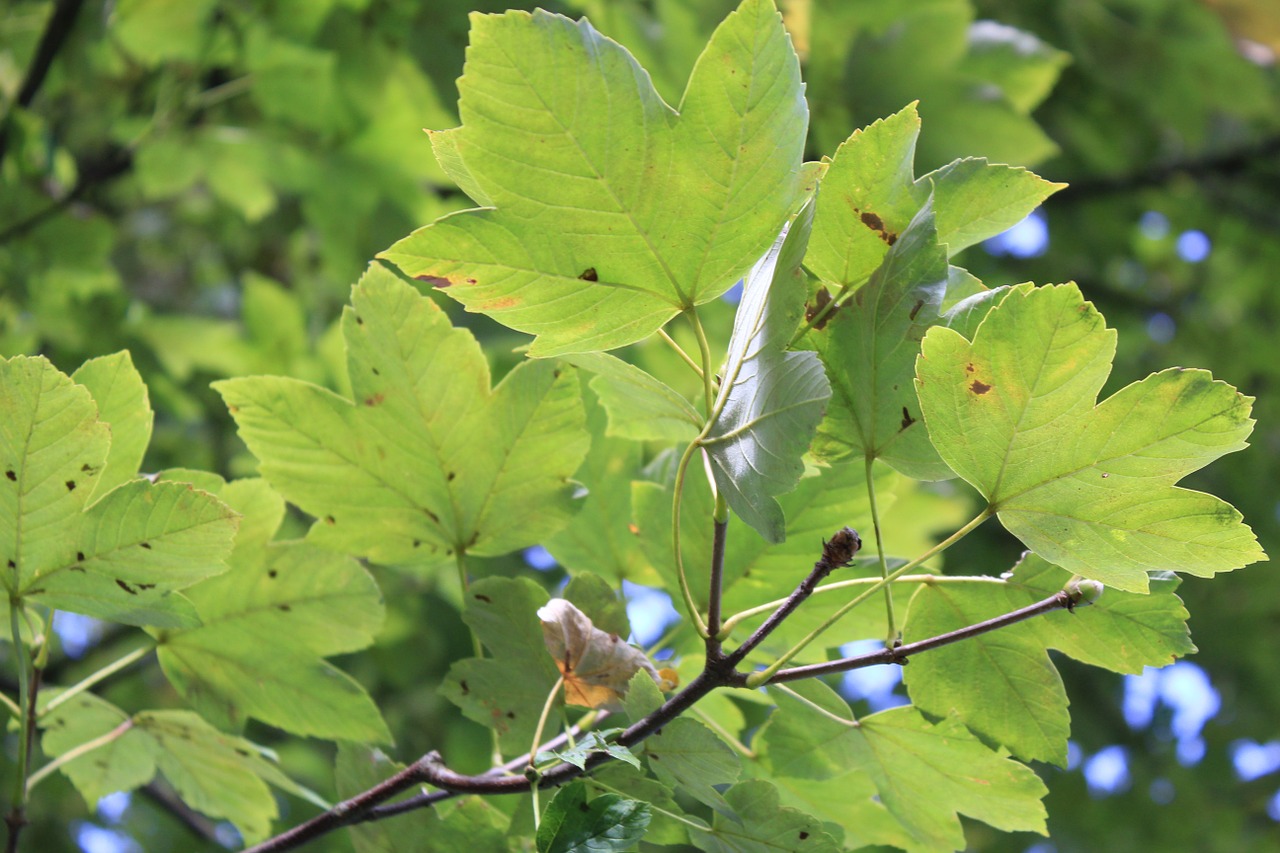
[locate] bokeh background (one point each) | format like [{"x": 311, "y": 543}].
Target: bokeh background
[{"x": 201, "y": 182}]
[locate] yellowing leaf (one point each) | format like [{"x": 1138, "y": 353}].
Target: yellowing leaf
[{"x": 596, "y": 665}]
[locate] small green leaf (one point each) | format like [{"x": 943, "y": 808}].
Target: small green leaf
[
  {"x": 123, "y": 404},
  {"x": 870, "y": 195},
  {"x": 1001, "y": 684},
  {"x": 593, "y": 179},
  {"x": 609, "y": 822},
  {"x": 924, "y": 773},
  {"x": 211, "y": 771},
  {"x": 122, "y": 557},
  {"x": 687, "y": 754},
  {"x": 640, "y": 406},
  {"x": 1089, "y": 486},
  {"x": 592, "y": 595},
  {"x": 589, "y": 744},
  {"x": 869, "y": 348},
  {"x": 761, "y": 823},
  {"x": 599, "y": 539},
  {"x": 770, "y": 400},
  {"x": 506, "y": 690},
  {"x": 122, "y": 764},
  {"x": 425, "y": 461}
]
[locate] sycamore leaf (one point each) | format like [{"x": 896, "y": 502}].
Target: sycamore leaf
[
  {"x": 267, "y": 625},
  {"x": 591, "y": 743},
  {"x": 668, "y": 824},
  {"x": 1089, "y": 486},
  {"x": 593, "y": 179},
  {"x": 217, "y": 774},
  {"x": 507, "y": 689},
  {"x": 770, "y": 400},
  {"x": 608, "y": 822},
  {"x": 925, "y": 773},
  {"x": 1002, "y": 685},
  {"x": 123, "y": 556},
  {"x": 600, "y": 539},
  {"x": 760, "y": 823},
  {"x": 870, "y": 195},
  {"x": 869, "y": 348},
  {"x": 123, "y": 403},
  {"x": 425, "y": 461},
  {"x": 640, "y": 406},
  {"x": 596, "y": 665},
  {"x": 687, "y": 754}
]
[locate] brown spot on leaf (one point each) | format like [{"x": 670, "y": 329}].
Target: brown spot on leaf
[
  {"x": 146, "y": 545},
  {"x": 80, "y": 556},
  {"x": 803, "y": 835},
  {"x": 915, "y": 309},
  {"x": 283, "y": 608},
  {"x": 359, "y": 320},
  {"x": 417, "y": 543},
  {"x": 375, "y": 399},
  {"x": 12, "y": 564},
  {"x": 876, "y": 224},
  {"x": 821, "y": 300},
  {"x": 11, "y": 475},
  {"x": 1105, "y": 475},
  {"x": 272, "y": 573},
  {"x": 126, "y": 587},
  {"x": 907, "y": 420},
  {"x": 589, "y": 274},
  {"x": 486, "y": 599},
  {"x": 433, "y": 280},
  {"x": 450, "y": 476},
  {"x": 330, "y": 520},
  {"x": 376, "y": 371},
  {"x": 233, "y": 409},
  {"x": 635, "y": 531},
  {"x": 465, "y": 689},
  {"x": 979, "y": 387},
  {"x": 511, "y": 715},
  {"x": 86, "y": 468},
  {"x": 146, "y": 586},
  {"x": 71, "y": 485}
]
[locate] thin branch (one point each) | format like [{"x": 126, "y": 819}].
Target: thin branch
[
  {"x": 61, "y": 22},
  {"x": 679, "y": 350},
  {"x": 1061, "y": 600},
  {"x": 721, "y": 527},
  {"x": 89, "y": 681},
  {"x": 836, "y": 553},
  {"x": 685, "y": 591}
]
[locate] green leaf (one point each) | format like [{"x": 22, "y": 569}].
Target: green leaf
[
  {"x": 687, "y": 754},
  {"x": 593, "y": 596},
  {"x": 506, "y": 690},
  {"x": 640, "y": 407},
  {"x": 599, "y": 539},
  {"x": 121, "y": 764},
  {"x": 609, "y": 822},
  {"x": 425, "y": 461},
  {"x": 589, "y": 744},
  {"x": 869, "y": 348},
  {"x": 870, "y": 195},
  {"x": 1002, "y": 685},
  {"x": 212, "y": 772},
  {"x": 265, "y": 631},
  {"x": 761, "y": 824},
  {"x": 122, "y": 557},
  {"x": 1090, "y": 487},
  {"x": 123, "y": 405},
  {"x": 924, "y": 773},
  {"x": 593, "y": 179},
  {"x": 770, "y": 400}
]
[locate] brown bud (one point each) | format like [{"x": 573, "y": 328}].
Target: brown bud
[{"x": 842, "y": 547}]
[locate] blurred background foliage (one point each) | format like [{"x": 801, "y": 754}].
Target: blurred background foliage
[{"x": 201, "y": 182}]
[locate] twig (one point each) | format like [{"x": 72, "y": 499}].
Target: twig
[
  {"x": 54, "y": 37},
  {"x": 836, "y": 553},
  {"x": 1061, "y": 600},
  {"x": 721, "y": 527}
]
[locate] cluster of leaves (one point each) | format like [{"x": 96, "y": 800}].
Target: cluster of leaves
[{"x": 860, "y": 362}]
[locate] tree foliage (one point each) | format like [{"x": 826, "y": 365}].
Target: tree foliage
[{"x": 330, "y": 544}]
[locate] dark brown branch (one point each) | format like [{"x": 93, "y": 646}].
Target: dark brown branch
[
  {"x": 715, "y": 594},
  {"x": 54, "y": 37},
  {"x": 899, "y": 654},
  {"x": 836, "y": 553}
]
